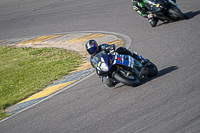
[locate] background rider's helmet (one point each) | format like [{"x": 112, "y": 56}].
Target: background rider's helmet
[{"x": 92, "y": 47}]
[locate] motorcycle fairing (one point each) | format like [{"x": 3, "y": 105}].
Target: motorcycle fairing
[
  {"x": 104, "y": 61},
  {"x": 156, "y": 6},
  {"x": 124, "y": 60},
  {"x": 129, "y": 61}
]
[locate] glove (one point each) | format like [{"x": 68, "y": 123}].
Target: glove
[
  {"x": 113, "y": 46},
  {"x": 150, "y": 16},
  {"x": 110, "y": 48}
]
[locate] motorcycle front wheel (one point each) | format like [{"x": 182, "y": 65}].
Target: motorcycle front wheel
[{"x": 126, "y": 79}]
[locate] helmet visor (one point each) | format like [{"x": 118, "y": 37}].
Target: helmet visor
[{"x": 92, "y": 50}]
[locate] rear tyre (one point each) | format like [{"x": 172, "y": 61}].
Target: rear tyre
[
  {"x": 126, "y": 80},
  {"x": 153, "y": 70},
  {"x": 176, "y": 14}
]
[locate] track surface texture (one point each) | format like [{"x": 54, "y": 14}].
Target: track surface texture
[{"x": 167, "y": 103}]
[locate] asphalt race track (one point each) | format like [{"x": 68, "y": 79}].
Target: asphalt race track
[{"x": 168, "y": 103}]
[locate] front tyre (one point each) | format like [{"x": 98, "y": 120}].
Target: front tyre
[{"x": 134, "y": 81}]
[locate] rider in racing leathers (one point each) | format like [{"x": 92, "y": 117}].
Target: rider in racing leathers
[
  {"x": 139, "y": 7},
  {"x": 93, "y": 49}
]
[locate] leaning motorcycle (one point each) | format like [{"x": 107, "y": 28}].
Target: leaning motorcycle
[
  {"x": 122, "y": 68},
  {"x": 165, "y": 9}
]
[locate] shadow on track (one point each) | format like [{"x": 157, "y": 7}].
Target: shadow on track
[
  {"x": 160, "y": 74},
  {"x": 143, "y": 81},
  {"x": 192, "y": 14}
]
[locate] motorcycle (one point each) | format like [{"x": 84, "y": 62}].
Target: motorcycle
[
  {"x": 122, "y": 68},
  {"x": 165, "y": 9}
]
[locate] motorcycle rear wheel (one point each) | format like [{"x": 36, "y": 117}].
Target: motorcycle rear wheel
[
  {"x": 153, "y": 70},
  {"x": 176, "y": 14},
  {"x": 126, "y": 80}
]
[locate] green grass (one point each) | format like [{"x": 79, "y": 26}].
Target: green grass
[{"x": 25, "y": 71}]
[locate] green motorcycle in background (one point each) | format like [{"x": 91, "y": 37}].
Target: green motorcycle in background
[{"x": 165, "y": 10}]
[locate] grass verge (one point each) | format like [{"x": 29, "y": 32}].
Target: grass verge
[{"x": 25, "y": 71}]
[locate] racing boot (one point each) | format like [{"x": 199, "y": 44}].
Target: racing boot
[
  {"x": 139, "y": 69},
  {"x": 110, "y": 83},
  {"x": 139, "y": 58},
  {"x": 152, "y": 20},
  {"x": 145, "y": 62},
  {"x": 136, "y": 56}
]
